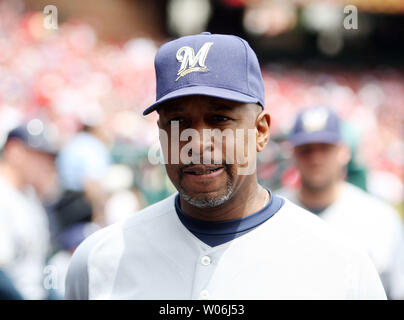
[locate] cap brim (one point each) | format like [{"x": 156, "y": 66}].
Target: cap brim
[
  {"x": 315, "y": 137},
  {"x": 42, "y": 146},
  {"x": 51, "y": 152},
  {"x": 203, "y": 91}
]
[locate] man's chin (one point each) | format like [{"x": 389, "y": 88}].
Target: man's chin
[
  {"x": 316, "y": 185},
  {"x": 207, "y": 199},
  {"x": 205, "y": 203}
]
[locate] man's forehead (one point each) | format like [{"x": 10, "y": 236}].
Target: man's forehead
[{"x": 209, "y": 103}]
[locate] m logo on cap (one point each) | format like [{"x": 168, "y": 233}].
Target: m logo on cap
[
  {"x": 314, "y": 120},
  {"x": 188, "y": 59}
]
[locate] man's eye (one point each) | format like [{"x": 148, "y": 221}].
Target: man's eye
[{"x": 219, "y": 118}]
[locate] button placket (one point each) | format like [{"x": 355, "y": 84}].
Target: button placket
[
  {"x": 206, "y": 260},
  {"x": 205, "y": 266}
]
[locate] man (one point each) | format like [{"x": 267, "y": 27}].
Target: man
[
  {"x": 222, "y": 236},
  {"x": 26, "y": 165},
  {"x": 82, "y": 163},
  {"x": 321, "y": 157}
]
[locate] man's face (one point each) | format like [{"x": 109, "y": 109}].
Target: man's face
[
  {"x": 320, "y": 164},
  {"x": 40, "y": 172},
  {"x": 34, "y": 167},
  {"x": 209, "y": 179}
]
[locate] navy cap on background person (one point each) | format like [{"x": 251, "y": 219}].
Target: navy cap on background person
[
  {"x": 317, "y": 124},
  {"x": 215, "y": 65},
  {"x": 34, "y": 137}
]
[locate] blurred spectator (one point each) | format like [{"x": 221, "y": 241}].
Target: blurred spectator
[
  {"x": 27, "y": 161},
  {"x": 83, "y": 160},
  {"x": 321, "y": 158},
  {"x": 82, "y": 164}
]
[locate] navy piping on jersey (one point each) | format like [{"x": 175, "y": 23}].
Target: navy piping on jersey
[
  {"x": 215, "y": 233},
  {"x": 317, "y": 211}
]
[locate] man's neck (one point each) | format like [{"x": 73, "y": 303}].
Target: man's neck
[
  {"x": 245, "y": 201},
  {"x": 319, "y": 198}
]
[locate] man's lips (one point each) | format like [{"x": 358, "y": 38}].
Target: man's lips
[{"x": 202, "y": 169}]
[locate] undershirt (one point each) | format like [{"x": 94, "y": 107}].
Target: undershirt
[{"x": 214, "y": 233}]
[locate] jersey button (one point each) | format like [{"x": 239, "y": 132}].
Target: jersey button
[
  {"x": 204, "y": 295},
  {"x": 206, "y": 260}
]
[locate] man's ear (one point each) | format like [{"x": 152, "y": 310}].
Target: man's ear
[
  {"x": 262, "y": 124},
  {"x": 344, "y": 154}
]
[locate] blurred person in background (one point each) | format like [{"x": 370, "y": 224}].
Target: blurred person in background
[
  {"x": 321, "y": 157},
  {"x": 8, "y": 291},
  {"x": 82, "y": 164},
  {"x": 27, "y": 173}
]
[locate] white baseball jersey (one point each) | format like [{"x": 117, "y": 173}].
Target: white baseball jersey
[
  {"x": 372, "y": 225},
  {"x": 24, "y": 240},
  {"x": 152, "y": 255}
]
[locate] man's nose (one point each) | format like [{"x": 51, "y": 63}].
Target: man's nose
[
  {"x": 200, "y": 144},
  {"x": 199, "y": 141},
  {"x": 315, "y": 154}
]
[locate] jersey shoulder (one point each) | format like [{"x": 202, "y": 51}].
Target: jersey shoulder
[
  {"x": 299, "y": 218},
  {"x": 306, "y": 227},
  {"x": 325, "y": 245},
  {"x": 310, "y": 231},
  {"x": 108, "y": 241}
]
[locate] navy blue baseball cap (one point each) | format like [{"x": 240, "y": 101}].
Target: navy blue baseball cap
[
  {"x": 318, "y": 124},
  {"x": 215, "y": 65},
  {"x": 38, "y": 140}
]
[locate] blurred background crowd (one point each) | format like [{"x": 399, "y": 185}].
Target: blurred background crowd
[{"x": 78, "y": 160}]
